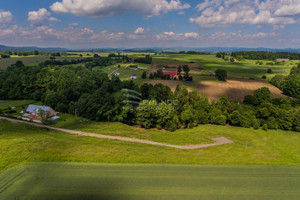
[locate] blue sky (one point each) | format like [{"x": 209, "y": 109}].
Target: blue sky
[{"x": 141, "y": 23}]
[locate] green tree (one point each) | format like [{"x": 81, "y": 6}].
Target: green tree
[
  {"x": 36, "y": 52},
  {"x": 221, "y": 74},
  {"x": 144, "y": 75},
  {"x": 43, "y": 115},
  {"x": 262, "y": 95}
]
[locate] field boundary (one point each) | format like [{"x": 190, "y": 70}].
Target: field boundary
[{"x": 218, "y": 140}]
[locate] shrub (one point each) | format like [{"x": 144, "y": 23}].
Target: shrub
[
  {"x": 265, "y": 127},
  {"x": 256, "y": 125},
  {"x": 270, "y": 71}
]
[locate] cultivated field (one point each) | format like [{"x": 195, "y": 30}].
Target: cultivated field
[
  {"x": 170, "y": 83},
  {"x": 115, "y": 181},
  {"x": 235, "y": 88}
]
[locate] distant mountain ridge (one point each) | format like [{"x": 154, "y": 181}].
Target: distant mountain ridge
[{"x": 149, "y": 49}]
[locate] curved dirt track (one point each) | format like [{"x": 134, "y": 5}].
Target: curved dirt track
[{"x": 218, "y": 140}]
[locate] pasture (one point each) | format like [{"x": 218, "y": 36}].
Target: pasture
[
  {"x": 115, "y": 181},
  {"x": 235, "y": 89}
]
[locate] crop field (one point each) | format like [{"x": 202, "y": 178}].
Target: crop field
[
  {"x": 130, "y": 181},
  {"x": 235, "y": 89},
  {"x": 29, "y": 60}
]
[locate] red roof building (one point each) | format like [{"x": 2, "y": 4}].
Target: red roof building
[{"x": 171, "y": 74}]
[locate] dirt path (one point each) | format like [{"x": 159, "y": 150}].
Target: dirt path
[{"x": 218, "y": 140}]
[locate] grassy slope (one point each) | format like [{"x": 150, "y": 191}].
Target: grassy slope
[
  {"x": 78, "y": 181},
  {"x": 15, "y": 103},
  {"x": 22, "y": 143}
]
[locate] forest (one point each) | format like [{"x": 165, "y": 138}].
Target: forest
[
  {"x": 290, "y": 84},
  {"x": 264, "y": 55},
  {"x": 81, "y": 91}
]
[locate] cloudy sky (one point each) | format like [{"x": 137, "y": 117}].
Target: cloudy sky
[{"x": 150, "y": 23}]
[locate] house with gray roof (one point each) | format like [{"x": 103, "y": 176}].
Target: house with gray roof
[{"x": 32, "y": 111}]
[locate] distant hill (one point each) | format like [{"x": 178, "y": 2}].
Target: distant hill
[
  {"x": 17, "y": 49},
  {"x": 148, "y": 50}
]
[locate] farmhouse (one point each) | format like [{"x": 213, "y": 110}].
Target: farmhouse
[
  {"x": 117, "y": 73},
  {"x": 32, "y": 110},
  {"x": 282, "y": 60},
  {"x": 134, "y": 67},
  {"x": 171, "y": 74},
  {"x": 133, "y": 76}
]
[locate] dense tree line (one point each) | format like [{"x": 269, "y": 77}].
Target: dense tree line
[
  {"x": 147, "y": 59},
  {"x": 290, "y": 85},
  {"x": 182, "y": 109},
  {"x": 264, "y": 55}
]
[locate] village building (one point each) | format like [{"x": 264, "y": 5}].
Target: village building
[{"x": 171, "y": 74}]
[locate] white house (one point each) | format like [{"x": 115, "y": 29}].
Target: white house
[
  {"x": 117, "y": 73},
  {"x": 133, "y": 76},
  {"x": 134, "y": 67}
]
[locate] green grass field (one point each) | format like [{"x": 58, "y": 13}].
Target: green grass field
[
  {"x": 16, "y": 103},
  {"x": 21, "y": 143},
  {"x": 110, "y": 181},
  {"x": 125, "y": 71}
]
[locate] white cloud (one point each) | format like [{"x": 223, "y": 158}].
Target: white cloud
[
  {"x": 226, "y": 12},
  {"x": 74, "y": 24},
  {"x": 5, "y": 17},
  {"x": 72, "y": 36},
  {"x": 139, "y": 30},
  {"x": 40, "y": 17},
  {"x": 106, "y": 8}
]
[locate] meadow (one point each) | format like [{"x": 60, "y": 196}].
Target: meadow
[{"x": 140, "y": 181}]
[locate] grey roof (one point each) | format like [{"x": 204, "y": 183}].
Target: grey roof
[
  {"x": 133, "y": 74},
  {"x": 33, "y": 108}
]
